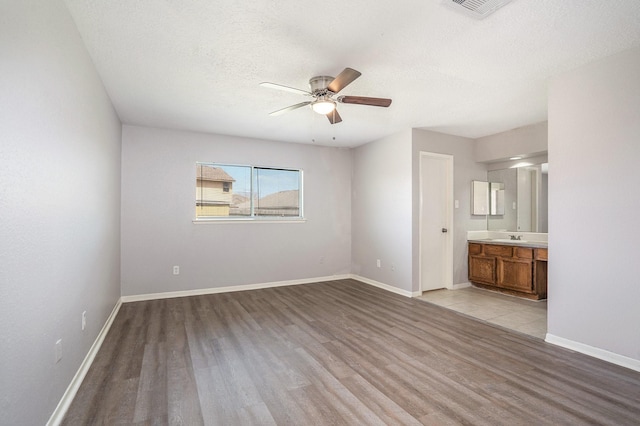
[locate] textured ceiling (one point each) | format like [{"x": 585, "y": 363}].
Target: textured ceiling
[{"x": 196, "y": 64}]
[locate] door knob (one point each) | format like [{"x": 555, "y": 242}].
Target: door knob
[{"x": 445, "y": 230}]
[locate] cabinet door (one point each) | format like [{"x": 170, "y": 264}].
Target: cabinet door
[
  {"x": 482, "y": 269},
  {"x": 515, "y": 274}
]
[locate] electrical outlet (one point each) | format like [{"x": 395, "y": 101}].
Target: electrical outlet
[
  {"x": 322, "y": 260},
  {"x": 176, "y": 270},
  {"x": 58, "y": 350},
  {"x": 393, "y": 267},
  {"x": 378, "y": 264},
  {"x": 84, "y": 320}
]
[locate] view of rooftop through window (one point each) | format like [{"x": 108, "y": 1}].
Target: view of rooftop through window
[{"x": 246, "y": 191}]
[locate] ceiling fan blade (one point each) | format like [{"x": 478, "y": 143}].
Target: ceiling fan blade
[
  {"x": 343, "y": 79},
  {"x": 285, "y": 88},
  {"x": 334, "y": 117},
  {"x": 290, "y": 108},
  {"x": 363, "y": 100}
]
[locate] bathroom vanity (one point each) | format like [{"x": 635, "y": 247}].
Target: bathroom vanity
[{"x": 514, "y": 267}]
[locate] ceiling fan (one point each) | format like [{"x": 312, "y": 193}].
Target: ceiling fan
[{"x": 324, "y": 90}]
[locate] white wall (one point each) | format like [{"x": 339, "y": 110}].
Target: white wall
[
  {"x": 465, "y": 169},
  {"x": 527, "y": 140},
  {"x": 381, "y": 211},
  {"x": 59, "y": 206},
  {"x": 158, "y": 206},
  {"x": 594, "y": 131}
]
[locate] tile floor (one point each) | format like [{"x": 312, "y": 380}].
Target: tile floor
[{"x": 525, "y": 316}]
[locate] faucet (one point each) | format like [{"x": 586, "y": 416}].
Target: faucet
[{"x": 513, "y": 237}]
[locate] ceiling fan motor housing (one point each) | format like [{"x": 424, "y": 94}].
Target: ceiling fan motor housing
[{"x": 319, "y": 85}]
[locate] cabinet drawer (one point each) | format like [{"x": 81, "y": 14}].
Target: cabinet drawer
[
  {"x": 475, "y": 248},
  {"x": 491, "y": 250},
  {"x": 542, "y": 254},
  {"x": 523, "y": 252}
]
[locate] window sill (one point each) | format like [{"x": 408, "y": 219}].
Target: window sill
[{"x": 247, "y": 220}]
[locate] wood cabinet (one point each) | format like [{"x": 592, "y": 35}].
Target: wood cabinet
[{"x": 516, "y": 270}]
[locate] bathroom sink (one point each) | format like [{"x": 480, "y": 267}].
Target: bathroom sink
[{"x": 508, "y": 240}]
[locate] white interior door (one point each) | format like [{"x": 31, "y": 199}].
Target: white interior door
[{"x": 436, "y": 220}]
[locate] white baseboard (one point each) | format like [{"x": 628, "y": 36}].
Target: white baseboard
[
  {"x": 602, "y": 354},
  {"x": 384, "y": 286},
  {"x": 202, "y": 291},
  {"x": 72, "y": 389}
]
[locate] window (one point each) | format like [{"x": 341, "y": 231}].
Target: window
[{"x": 225, "y": 191}]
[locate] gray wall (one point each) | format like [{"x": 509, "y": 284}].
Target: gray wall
[
  {"x": 543, "y": 204},
  {"x": 528, "y": 140},
  {"x": 381, "y": 207},
  {"x": 465, "y": 169},
  {"x": 386, "y": 205},
  {"x": 594, "y": 128},
  {"x": 59, "y": 206},
  {"x": 158, "y": 206}
]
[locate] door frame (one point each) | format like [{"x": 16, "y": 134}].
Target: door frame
[{"x": 448, "y": 266}]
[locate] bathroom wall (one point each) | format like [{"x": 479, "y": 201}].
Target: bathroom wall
[{"x": 530, "y": 140}]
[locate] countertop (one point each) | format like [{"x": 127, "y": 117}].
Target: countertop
[{"x": 534, "y": 244}]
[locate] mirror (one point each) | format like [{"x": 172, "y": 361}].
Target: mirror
[
  {"x": 522, "y": 194},
  {"x": 496, "y": 198},
  {"x": 479, "y": 197}
]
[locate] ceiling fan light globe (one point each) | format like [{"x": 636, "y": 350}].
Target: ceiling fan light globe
[{"x": 323, "y": 107}]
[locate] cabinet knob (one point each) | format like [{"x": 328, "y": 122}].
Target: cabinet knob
[{"x": 444, "y": 230}]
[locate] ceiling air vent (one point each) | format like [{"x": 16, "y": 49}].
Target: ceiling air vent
[{"x": 477, "y": 8}]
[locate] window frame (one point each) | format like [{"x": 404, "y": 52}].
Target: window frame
[{"x": 253, "y": 217}]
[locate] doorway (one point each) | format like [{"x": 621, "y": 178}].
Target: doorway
[{"x": 436, "y": 221}]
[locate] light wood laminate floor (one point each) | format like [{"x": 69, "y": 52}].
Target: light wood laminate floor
[{"x": 337, "y": 353}]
